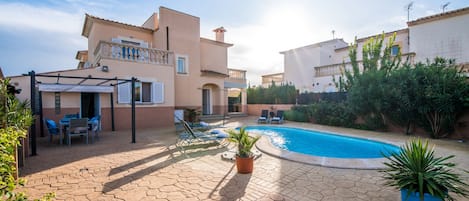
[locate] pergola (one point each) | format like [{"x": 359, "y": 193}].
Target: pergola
[{"x": 78, "y": 87}]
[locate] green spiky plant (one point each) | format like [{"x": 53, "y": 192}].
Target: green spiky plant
[
  {"x": 416, "y": 169},
  {"x": 244, "y": 141}
]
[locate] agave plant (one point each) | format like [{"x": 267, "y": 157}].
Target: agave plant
[
  {"x": 416, "y": 169},
  {"x": 244, "y": 141}
]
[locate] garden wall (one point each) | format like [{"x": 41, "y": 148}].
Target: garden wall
[{"x": 255, "y": 109}]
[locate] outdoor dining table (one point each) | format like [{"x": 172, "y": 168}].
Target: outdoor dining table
[{"x": 64, "y": 123}]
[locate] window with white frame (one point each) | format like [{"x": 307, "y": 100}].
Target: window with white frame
[
  {"x": 145, "y": 92},
  {"x": 182, "y": 65}
]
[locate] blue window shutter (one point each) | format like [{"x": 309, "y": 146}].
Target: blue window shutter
[
  {"x": 124, "y": 93},
  {"x": 157, "y": 92}
]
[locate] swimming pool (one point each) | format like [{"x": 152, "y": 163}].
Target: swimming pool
[{"x": 322, "y": 144}]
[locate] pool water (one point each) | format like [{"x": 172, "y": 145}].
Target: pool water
[{"x": 323, "y": 144}]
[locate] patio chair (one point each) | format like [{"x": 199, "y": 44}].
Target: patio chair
[
  {"x": 279, "y": 118},
  {"x": 77, "y": 127},
  {"x": 53, "y": 129},
  {"x": 189, "y": 137},
  {"x": 264, "y": 117}
]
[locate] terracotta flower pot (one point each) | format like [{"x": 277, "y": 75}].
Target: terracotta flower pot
[{"x": 245, "y": 165}]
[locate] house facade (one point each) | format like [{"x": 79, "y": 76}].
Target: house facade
[
  {"x": 313, "y": 68},
  {"x": 175, "y": 69}
]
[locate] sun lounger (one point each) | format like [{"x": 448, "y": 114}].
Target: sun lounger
[
  {"x": 190, "y": 136},
  {"x": 264, "y": 117},
  {"x": 278, "y": 118}
]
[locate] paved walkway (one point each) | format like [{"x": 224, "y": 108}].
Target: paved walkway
[{"x": 153, "y": 169}]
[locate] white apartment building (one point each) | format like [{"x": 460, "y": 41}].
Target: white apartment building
[{"x": 312, "y": 68}]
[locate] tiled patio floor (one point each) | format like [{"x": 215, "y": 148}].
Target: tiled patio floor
[{"x": 153, "y": 169}]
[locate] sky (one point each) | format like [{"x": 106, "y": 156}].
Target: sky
[{"x": 45, "y": 35}]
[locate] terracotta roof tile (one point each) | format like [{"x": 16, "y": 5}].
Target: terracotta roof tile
[{"x": 439, "y": 16}]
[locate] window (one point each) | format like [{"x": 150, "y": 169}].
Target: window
[
  {"x": 394, "y": 50},
  {"x": 181, "y": 63},
  {"x": 145, "y": 92}
]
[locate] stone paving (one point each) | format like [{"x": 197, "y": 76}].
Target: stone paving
[{"x": 154, "y": 169}]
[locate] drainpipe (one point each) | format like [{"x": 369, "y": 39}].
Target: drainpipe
[{"x": 167, "y": 38}]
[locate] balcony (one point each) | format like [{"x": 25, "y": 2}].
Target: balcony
[
  {"x": 237, "y": 74},
  {"x": 275, "y": 78},
  {"x": 125, "y": 52},
  {"x": 336, "y": 69},
  {"x": 236, "y": 79}
]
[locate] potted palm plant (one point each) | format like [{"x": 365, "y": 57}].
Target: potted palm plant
[
  {"x": 245, "y": 142},
  {"x": 422, "y": 176}
]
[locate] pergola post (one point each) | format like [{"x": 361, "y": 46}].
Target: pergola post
[
  {"x": 133, "y": 108},
  {"x": 113, "y": 128},
  {"x": 41, "y": 115},
  {"x": 32, "y": 135}
]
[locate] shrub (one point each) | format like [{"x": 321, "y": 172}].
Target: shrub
[
  {"x": 15, "y": 118},
  {"x": 283, "y": 94},
  {"x": 333, "y": 114},
  {"x": 297, "y": 113}
]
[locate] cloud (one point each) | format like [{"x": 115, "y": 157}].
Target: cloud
[
  {"x": 26, "y": 17},
  {"x": 280, "y": 27},
  {"x": 48, "y": 37}
]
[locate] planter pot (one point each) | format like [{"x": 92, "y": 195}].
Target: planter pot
[
  {"x": 245, "y": 165},
  {"x": 415, "y": 196}
]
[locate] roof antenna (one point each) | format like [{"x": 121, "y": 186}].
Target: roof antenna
[
  {"x": 409, "y": 7},
  {"x": 443, "y": 7},
  {"x": 333, "y": 34}
]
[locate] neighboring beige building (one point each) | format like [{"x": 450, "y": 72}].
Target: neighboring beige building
[
  {"x": 175, "y": 68},
  {"x": 313, "y": 67}
]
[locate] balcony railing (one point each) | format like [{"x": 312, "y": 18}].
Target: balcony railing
[
  {"x": 336, "y": 69},
  {"x": 237, "y": 74},
  {"x": 276, "y": 78},
  {"x": 124, "y": 52}
]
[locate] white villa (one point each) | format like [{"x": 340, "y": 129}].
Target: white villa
[{"x": 311, "y": 68}]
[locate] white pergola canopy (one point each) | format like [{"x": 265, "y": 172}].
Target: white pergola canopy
[{"x": 75, "y": 88}]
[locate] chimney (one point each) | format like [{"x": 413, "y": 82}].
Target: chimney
[{"x": 220, "y": 34}]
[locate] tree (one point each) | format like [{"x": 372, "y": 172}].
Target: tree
[
  {"x": 441, "y": 93},
  {"x": 402, "y": 97},
  {"x": 368, "y": 86}
]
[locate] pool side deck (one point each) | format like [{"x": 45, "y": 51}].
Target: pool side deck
[{"x": 154, "y": 169}]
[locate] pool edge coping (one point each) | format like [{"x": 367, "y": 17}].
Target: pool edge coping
[{"x": 266, "y": 146}]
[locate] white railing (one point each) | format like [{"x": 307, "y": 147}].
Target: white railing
[
  {"x": 276, "y": 78},
  {"x": 124, "y": 52},
  {"x": 237, "y": 74},
  {"x": 336, "y": 69}
]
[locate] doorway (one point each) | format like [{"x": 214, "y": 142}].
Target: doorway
[
  {"x": 90, "y": 105},
  {"x": 234, "y": 100},
  {"x": 206, "y": 102}
]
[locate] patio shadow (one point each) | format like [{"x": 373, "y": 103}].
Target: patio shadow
[
  {"x": 172, "y": 158},
  {"x": 236, "y": 187}
]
